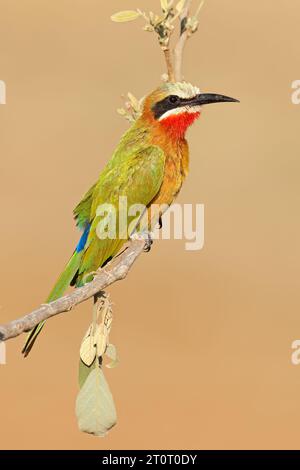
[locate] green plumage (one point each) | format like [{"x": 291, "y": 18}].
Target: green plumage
[
  {"x": 60, "y": 287},
  {"x": 138, "y": 178},
  {"x": 136, "y": 171}
]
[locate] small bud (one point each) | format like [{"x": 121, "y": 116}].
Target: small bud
[
  {"x": 148, "y": 28},
  {"x": 192, "y": 25}
]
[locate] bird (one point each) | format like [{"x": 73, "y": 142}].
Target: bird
[{"x": 148, "y": 167}]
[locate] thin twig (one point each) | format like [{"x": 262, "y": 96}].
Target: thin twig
[
  {"x": 116, "y": 270},
  {"x": 170, "y": 68},
  {"x": 179, "y": 48}
]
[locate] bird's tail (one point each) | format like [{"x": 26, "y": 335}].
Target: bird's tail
[{"x": 58, "y": 290}]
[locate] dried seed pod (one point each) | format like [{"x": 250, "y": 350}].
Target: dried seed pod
[
  {"x": 102, "y": 340},
  {"x": 88, "y": 347}
]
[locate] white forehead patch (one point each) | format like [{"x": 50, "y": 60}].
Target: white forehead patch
[{"x": 183, "y": 89}]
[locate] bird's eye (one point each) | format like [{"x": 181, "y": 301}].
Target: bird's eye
[{"x": 174, "y": 99}]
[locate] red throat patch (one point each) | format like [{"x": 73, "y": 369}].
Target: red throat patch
[{"x": 177, "y": 124}]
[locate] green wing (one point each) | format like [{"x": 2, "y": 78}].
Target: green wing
[
  {"x": 82, "y": 211},
  {"x": 139, "y": 178}
]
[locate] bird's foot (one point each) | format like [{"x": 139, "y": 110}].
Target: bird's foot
[{"x": 146, "y": 237}]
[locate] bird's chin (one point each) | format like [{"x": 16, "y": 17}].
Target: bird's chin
[{"x": 196, "y": 109}]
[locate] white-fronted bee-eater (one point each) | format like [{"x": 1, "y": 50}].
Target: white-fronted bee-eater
[{"x": 148, "y": 167}]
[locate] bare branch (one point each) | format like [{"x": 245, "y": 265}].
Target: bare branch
[
  {"x": 184, "y": 34},
  {"x": 116, "y": 270},
  {"x": 170, "y": 68}
]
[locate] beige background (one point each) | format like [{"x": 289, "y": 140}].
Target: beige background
[{"x": 204, "y": 337}]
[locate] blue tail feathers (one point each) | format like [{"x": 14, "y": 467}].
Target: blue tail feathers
[{"x": 83, "y": 239}]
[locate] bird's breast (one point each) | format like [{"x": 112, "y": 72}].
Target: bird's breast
[{"x": 176, "y": 169}]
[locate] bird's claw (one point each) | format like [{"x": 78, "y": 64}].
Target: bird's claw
[
  {"x": 146, "y": 236},
  {"x": 148, "y": 244}
]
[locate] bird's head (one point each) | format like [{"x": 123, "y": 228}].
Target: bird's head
[{"x": 175, "y": 106}]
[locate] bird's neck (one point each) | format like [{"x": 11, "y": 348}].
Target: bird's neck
[
  {"x": 173, "y": 128},
  {"x": 176, "y": 125}
]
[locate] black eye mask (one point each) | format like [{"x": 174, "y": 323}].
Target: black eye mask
[
  {"x": 173, "y": 101},
  {"x": 169, "y": 103}
]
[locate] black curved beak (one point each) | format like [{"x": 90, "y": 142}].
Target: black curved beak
[{"x": 208, "y": 98}]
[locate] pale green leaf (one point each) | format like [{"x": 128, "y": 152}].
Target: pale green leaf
[
  {"x": 180, "y": 5},
  {"x": 134, "y": 102},
  {"x": 111, "y": 352},
  {"x": 199, "y": 8},
  {"x": 95, "y": 408},
  {"x": 141, "y": 102},
  {"x": 164, "y": 5},
  {"x": 121, "y": 111},
  {"x": 123, "y": 16},
  {"x": 84, "y": 371}
]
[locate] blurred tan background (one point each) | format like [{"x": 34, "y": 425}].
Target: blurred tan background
[{"x": 204, "y": 337}]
